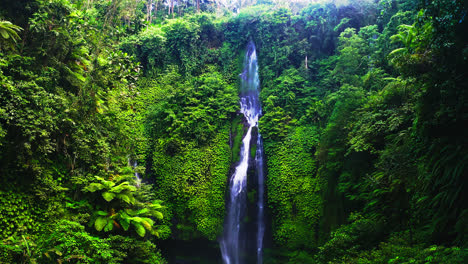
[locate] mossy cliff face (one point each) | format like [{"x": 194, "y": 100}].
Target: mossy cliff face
[
  {"x": 238, "y": 130},
  {"x": 193, "y": 184},
  {"x": 294, "y": 192}
]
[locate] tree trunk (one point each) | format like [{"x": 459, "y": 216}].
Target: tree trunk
[
  {"x": 156, "y": 7},
  {"x": 148, "y": 10},
  {"x": 198, "y": 6},
  {"x": 172, "y": 8},
  {"x": 151, "y": 12}
]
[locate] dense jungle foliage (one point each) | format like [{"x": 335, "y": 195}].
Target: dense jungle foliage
[{"x": 365, "y": 106}]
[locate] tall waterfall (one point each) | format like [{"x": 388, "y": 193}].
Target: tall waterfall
[{"x": 233, "y": 244}]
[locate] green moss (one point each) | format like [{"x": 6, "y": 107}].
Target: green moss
[
  {"x": 18, "y": 212},
  {"x": 293, "y": 190},
  {"x": 253, "y": 149},
  {"x": 253, "y": 144},
  {"x": 193, "y": 183},
  {"x": 237, "y": 132}
]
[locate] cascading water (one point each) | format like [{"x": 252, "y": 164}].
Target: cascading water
[
  {"x": 134, "y": 164},
  {"x": 137, "y": 175},
  {"x": 233, "y": 244},
  {"x": 261, "y": 199}
]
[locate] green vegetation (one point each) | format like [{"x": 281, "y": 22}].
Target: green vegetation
[{"x": 364, "y": 113}]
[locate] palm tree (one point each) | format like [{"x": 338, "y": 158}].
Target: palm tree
[{"x": 9, "y": 32}]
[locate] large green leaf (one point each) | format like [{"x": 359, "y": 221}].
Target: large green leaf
[
  {"x": 139, "y": 229},
  {"x": 108, "y": 196},
  {"x": 125, "y": 222},
  {"x": 156, "y": 206},
  {"x": 136, "y": 219},
  {"x": 147, "y": 223},
  {"x": 124, "y": 213},
  {"x": 159, "y": 215},
  {"x": 109, "y": 226},
  {"x": 128, "y": 198},
  {"x": 4, "y": 34},
  {"x": 142, "y": 211},
  {"x": 94, "y": 187},
  {"x": 124, "y": 186},
  {"x": 105, "y": 183},
  {"x": 9, "y": 31},
  {"x": 396, "y": 51},
  {"x": 131, "y": 212},
  {"x": 101, "y": 213},
  {"x": 100, "y": 223}
]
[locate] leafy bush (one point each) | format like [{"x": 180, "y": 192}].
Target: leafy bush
[
  {"x": 293, "y": 191},
  {"x": 69, "y": 242},
  {"x": 398, "y": 250},
  {"x": 361, "y": 234},
  {"x": 132, "y": 251},
  {"x": 121, "y": 209},
  {"x": 18, "y": 214}
]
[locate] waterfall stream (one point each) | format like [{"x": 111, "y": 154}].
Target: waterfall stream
[{"x": 233, "y": 243}]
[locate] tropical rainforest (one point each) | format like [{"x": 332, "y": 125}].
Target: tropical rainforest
[{"x": 120, "y": 126}]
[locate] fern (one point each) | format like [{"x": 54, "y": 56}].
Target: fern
[
  {"x": 8, "y": 31},
  {"x": 445, "y": 184},
  {"x": 140, "y": 216}
]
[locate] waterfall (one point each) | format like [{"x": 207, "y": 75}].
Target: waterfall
[
  {"x": 261, "y": 199},
  {"x": 137, "y": 175},
  {"x": 134, "y": 165},
  {"x": 233, "y": 244}
]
